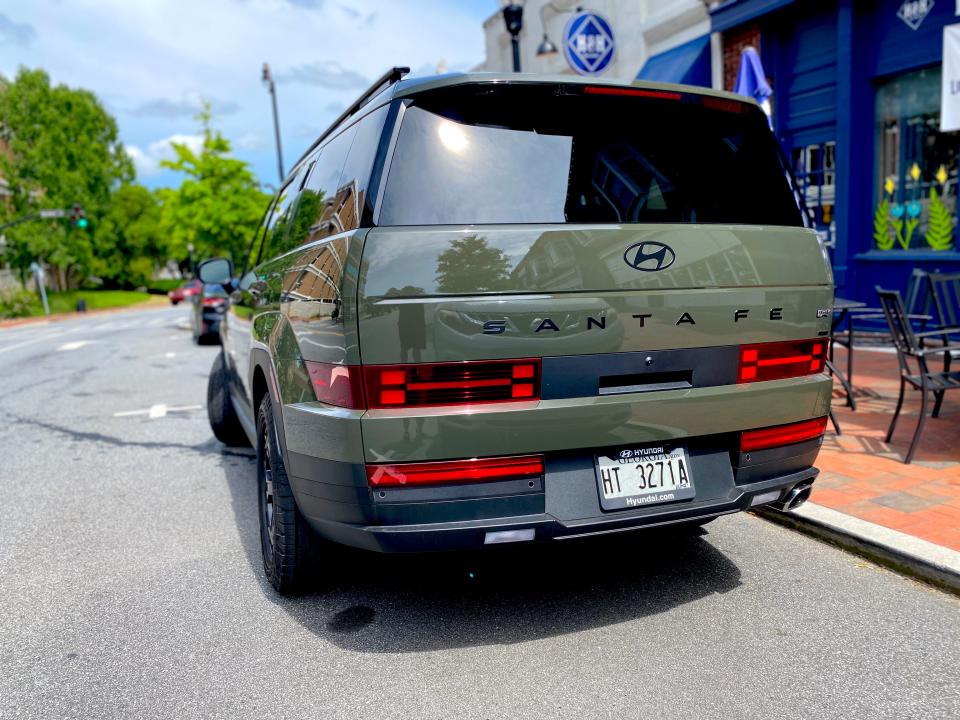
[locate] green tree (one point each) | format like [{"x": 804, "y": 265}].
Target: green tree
[
  {"x": 218, "y": 205},
  {"x": 136, "y": 246},
  {"x": 471, "y": 265},
  {"x": 62, "y": 149}
]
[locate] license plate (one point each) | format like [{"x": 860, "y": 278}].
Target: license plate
[{"x": 647, "y": 475}]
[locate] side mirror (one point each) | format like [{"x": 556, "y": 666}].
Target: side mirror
[{"x": 216, "y": 271}]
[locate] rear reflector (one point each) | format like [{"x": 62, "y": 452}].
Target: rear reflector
[
  {"x": 462, "y": 383},
  {"x": 340, "y": 385},
  {"x": 455, "y": 471},
  {"x": 778, "y": 360},
  {"x": 782, "y": 434}
]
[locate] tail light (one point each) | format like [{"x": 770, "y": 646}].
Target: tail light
[
  {"x": 778, "y": 360},
  {"x": 782, "y": 434},
  {"x": 455, "y": 471},
  {"x": 340, "y": 385},
  {"x": 213, "y": 301},
  {"x": 459, "y": 383}
]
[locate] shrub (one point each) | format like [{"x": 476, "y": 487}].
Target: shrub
[{"x": 15, "y": 302}]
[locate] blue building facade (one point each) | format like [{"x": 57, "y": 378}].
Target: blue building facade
[{"x": 856, "y": 107}]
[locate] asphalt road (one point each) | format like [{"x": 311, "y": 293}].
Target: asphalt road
[{"x": 131, "y": 585}]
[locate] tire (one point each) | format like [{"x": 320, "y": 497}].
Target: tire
[
  {"x": 223, "y": 418},
  {"x": 289, "y": 546}
]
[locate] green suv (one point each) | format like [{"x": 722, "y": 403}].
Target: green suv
[{"x": 488, "y": 309}]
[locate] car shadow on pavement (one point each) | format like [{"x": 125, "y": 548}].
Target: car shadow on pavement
[{"x": 368, "y": 602}]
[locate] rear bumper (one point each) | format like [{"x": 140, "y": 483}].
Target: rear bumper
[{"x": 565, "y": 504}]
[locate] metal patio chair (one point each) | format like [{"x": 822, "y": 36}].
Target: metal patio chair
[
  {"x": 872, "y": 320},
  {"x": 944, "y": 291},
  {"x": 910, "y": 347}
]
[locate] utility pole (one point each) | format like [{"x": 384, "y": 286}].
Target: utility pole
[
  {"x": 267, "y": 78},
  {"x": 513, "y": 19}
]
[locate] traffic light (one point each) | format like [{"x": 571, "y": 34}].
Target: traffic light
[{"x": 78, "y": 218}]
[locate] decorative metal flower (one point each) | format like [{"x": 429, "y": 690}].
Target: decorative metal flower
[
  {"x": 896, "y": 211},
  {"x": 913, "y": 209},
  {"x": 941, "y": 175},
  {"x": 915, "y": 172},
  {"x": 890, "y": 185}
]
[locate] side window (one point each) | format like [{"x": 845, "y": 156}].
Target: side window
[
  {"x": 253, "y": 252},
  {"x": 275, "y": 242},
  {"x": 352, "y": 190},
  {"x": 317, "y": 216}
]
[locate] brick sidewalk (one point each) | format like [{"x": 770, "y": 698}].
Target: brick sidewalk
[{"x": 864, "y": 477}]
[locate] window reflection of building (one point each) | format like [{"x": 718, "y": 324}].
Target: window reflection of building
[
  {"x": 340, "y": 214},
  {"x": 312, "y": 284}
]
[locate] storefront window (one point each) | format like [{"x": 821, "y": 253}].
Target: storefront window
[{"x": 916, "y": 187}]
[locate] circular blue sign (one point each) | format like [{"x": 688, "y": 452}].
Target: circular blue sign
[{"x": 588, "y": 43}]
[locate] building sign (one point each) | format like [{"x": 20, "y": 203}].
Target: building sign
[
  {"x": 913, "y": 12},
  {"x": 950, "y": 80},
  {"x": 588, "y": 43}
]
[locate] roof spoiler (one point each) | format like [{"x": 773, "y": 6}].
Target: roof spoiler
[{"x": 393, "y": 75}]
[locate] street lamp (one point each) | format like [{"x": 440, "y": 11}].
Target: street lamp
[
  {"x": 546, "y": 46},
  {"x": 513, "y": 19},
  {"x": 268, "y": 82}
]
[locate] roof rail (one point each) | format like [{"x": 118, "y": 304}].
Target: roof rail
[{"x": 393, "y": 75}]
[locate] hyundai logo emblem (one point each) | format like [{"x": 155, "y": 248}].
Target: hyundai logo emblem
[{"x": 649, "y": 256}]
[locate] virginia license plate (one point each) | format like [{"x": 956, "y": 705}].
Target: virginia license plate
[{"x": 646, "y": 475}]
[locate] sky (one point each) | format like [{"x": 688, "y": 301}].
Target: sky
[{"x": 153, "y": 62}]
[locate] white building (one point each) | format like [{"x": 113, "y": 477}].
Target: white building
[{"x": 642, "y": 29}]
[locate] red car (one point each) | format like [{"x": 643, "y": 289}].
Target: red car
[{"x": 187, "y": 290}]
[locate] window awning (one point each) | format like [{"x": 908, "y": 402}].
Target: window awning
[{"x": 688, "y": 64}]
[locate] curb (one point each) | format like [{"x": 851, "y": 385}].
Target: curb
[
  {"x": 905, "y": 554},
  {"x": 57, "y": 317}
]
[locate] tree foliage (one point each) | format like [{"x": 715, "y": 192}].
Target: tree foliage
[
  {"x": 471, "y": 265},
  {"x": 131, "y": 245},
  {"x": 218, "y": 205},
  {"x": 63, "y": 149}
]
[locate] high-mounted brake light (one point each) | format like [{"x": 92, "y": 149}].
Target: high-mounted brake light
[
  {"x": 457, "y": 383},
  {"x": 340, "y": 385},
  {"x": 778, "y": 360},
  {"x": 455, "y": 471},
  {"x": 636, "y": 92},
  {"x": 779, "y": 435}
]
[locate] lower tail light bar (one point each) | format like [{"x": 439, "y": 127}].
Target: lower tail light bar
[
  {"x": 779, "y": 360},
  {"x": 455, "y": 471},
  {"x": 778, "y": 435}
]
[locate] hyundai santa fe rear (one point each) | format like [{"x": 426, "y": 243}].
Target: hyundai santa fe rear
[{"x": 494, "y": 309}]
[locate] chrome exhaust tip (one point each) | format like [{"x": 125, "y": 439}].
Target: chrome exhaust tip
[{"x": 794, "y": 497}]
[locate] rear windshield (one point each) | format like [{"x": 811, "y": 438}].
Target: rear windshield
[{"x": 555, "y": 154}]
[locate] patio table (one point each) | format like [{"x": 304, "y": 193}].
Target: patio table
[{"x": 841, "y": 309}]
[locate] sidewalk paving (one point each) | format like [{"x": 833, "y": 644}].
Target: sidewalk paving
[
  {"x": 867, "y": 499},
  {"x": 865, "y": 477}
]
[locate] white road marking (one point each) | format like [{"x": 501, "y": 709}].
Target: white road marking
[
  {"x": 169, "y": 354},
  {"x": 158, "y": 411},
  {"x": 75, "y": 345}
]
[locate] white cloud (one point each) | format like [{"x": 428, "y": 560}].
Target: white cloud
[
  {"x": 151, "y": 60},
  {"x": 249, "y": 141},
  {"x": 147, "y": 162}
]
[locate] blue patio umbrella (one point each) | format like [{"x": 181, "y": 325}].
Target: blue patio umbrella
[{"x": 752, "y": 81}]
